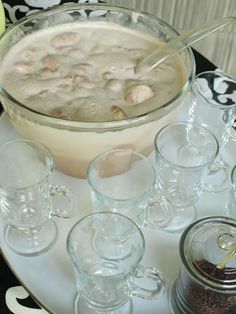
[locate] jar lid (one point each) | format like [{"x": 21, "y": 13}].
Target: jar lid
[{"x": 208, "y": 251}]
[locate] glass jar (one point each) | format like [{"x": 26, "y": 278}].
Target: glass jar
[{"x": 207, "y": 279}]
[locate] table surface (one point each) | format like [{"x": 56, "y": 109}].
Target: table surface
[{"x": 13, "y": 297}]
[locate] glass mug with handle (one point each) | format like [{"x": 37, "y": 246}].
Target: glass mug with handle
[
  {"x": 184, "y": 153},
  {"x": 123, "y": 181},
  {"x": 26, "y": 197},
  {"x": 106, "y": 249},
  {"x": 212, "y": 104}
]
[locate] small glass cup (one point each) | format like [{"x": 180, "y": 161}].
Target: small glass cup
[
  {"x": 106, "y": 250},
  {"x": 123, "y": 181},
  {"x": 212, "y": 104},
  {"x": 27, "y": 197},
  {"x": 184, "y": 152}
]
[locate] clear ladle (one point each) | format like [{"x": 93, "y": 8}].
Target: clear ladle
[{"x": 171, "y": 48}]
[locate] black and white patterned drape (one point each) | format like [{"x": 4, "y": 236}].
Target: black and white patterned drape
[{"x": 16, "y": 9}]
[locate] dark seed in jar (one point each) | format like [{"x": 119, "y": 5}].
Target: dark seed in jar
[{"x": 203, "y": 300}]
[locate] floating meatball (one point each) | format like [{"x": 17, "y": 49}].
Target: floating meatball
[
  {"x": 137, "y": 94},
  {"x": 50, "y": 62},
  {"x": 114, "y": 85},
  {"x": 24, "y": 68},
  {"x": 65, "y": 39},
  {"x": 45, "y": 74},
  {"x": 117, "y": 113},
  {"x": 107, "y": 75},
  {"x": 60, "y": 113}
]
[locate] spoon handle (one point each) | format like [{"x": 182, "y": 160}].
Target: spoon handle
[{"x": 171, "y": 48}]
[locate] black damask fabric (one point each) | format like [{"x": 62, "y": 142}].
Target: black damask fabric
[
  {"x": 9, "y": 286},
  {"x": 228, "y": 93},
  {"x": 15, "y": 10}
]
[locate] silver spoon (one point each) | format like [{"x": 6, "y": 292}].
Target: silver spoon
[{"x": 172, "y": 48}]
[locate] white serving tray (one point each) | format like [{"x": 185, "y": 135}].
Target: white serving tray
[{"x": 50, "y": 278}]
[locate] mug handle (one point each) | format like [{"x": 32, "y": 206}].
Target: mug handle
[
  {"x": 159, "y": 212},
  {"x": 232, "y": 135},
  {"x": 216, "y": 167},
  {"x": 153, "y": 274},
  {"x": 62, "y": 191}
]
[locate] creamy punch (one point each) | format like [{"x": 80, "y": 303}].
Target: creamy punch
[
  {"x": 85, "y": 72},
  {"x": 81, "y": 95}
]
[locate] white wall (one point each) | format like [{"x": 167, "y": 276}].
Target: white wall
[{"x": 219, "y": 47}]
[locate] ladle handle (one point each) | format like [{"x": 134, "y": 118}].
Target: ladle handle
[{"x": 171, "y": 48}]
